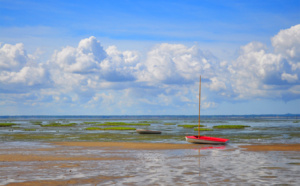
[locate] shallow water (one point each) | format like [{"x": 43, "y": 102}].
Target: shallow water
[
  {"x": 207, "y": 165},
  {"x": 261, "y": 130}
]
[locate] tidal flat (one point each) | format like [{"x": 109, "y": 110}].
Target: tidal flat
[
  {"x": 64, "y": 153},
  {"x": 136, "y": 163}
]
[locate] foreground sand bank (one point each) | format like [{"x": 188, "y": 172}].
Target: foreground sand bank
[
  {"x": 106, "y": 163},
  {"x": 10, "y": 156},
  {"x": 170, "y": 146},
  {"x": 131, "y": 145},
  {"x": 272, "y": 147}
]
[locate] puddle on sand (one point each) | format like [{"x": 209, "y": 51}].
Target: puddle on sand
[{"x": 205, "y": 166}]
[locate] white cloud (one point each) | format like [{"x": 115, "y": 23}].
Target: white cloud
[
  {"x": 120, "y": 66},
  {"x": 289, "y": 77},
  {"x": 251, "y": 69},
  {"x": 166, "y": 76},
  {"x": 216, "y": 84},
  {"x": 27, "y": 76},
  {"x": 12, "y": 57},
  {"x": 19, "y": 71},
  {"x": 259, "y": 73},
  {"x": 207, "y": 105},
  {"x": 287, "y": 42},
  {"x": 176, "y": 64},
  {"x": 83, "y": 59},
  {"x": 90, "y": 66}
]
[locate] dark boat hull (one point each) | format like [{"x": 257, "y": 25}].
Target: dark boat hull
[{"x": 143, "y": 131}]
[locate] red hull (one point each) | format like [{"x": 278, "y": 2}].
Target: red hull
[{"x": 206, "y": 139}]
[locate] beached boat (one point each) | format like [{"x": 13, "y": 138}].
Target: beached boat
[
  {"x": 144, "y": 131},
  {"x": 204, "y": 139}
]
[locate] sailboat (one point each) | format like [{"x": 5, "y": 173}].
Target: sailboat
[{"x": 204, "y": 139}]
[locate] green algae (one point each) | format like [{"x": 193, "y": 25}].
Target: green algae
[
  {"x": 169, "y": 123},
  {"x": 122, "y": 124},
  {"x": 110, "y": 128},
  {"x": 90, "y": 122},
  {"x": 295, "y": 135},
  {"x": 93, "y": 128},
  {"x": 36, "y": 122},
  {"x": 7, "y": 124},
  {"x": 29, "y": 129},
  {"x": 294, "y": 163},
  {"x": 230, "y": 126}
]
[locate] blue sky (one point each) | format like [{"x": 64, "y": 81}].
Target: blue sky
[{"x": 145, "y": 57}]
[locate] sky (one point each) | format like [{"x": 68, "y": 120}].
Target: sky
[{"x": 133, "y": 57}]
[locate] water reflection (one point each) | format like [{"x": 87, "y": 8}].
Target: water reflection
[{"x": 212, "y": 147}]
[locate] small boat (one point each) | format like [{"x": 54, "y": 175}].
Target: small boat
[
  {"x": 204, "y": 139},
  {"x": 144, "y": 131}
]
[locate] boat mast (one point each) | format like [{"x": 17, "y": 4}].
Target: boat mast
[{"x": 199, "y": 107}]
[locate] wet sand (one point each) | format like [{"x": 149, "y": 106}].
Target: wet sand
[
  {"x": 168, "y": 146},
  {"x": 125, "y": 163},
  {"x": 272, "y": 147},
  {"x": 131, "y": 145}
]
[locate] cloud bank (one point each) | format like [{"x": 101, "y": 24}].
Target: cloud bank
[{"x": 130, "y": 82}]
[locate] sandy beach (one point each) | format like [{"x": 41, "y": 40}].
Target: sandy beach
[{"x": 125, "y": 163}]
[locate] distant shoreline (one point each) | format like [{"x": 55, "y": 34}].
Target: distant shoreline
[{"x": 270, "y": 116}]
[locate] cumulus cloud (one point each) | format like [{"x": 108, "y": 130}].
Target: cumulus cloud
[
  {"x": 177, "y": 64},
  {"x": 12, "y": 57},
  {"x": 166, "y": 76},
  {"x": 287, "y": 44},
  {"x": 252, "y": 69},
  {"x": 20, "y": 71},
  {"x": 120, "y": 66},
  {"x": 89, "y": 64},
  {"x": 88, "y": 69},
  {"x": 259, "y": 73},
  {"x": 83, "y": 59}
]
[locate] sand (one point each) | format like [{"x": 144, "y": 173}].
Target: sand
[
  {"x": 53, "y": 159},
  {"x": 272, "y": 147},
  {"x": 131, "y": 145}
]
